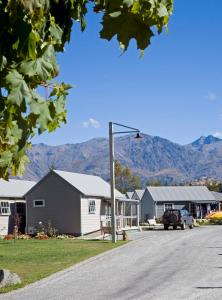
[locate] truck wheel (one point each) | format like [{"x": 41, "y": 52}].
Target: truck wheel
[
  {"x": 166, "y": 227},
  {"x": 191, "y": 226},
  {"x": 174, "y": 227},
  {"x": 183, "y": 226}
]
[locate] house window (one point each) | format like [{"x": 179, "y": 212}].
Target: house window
[
  {"x": 5, "y": 208},
  {"x": 39, "y": 203},
  {"x": 20, "y": 208},
  {"x": 168, "y": 206},
  {"x": 92, "y": 206}
]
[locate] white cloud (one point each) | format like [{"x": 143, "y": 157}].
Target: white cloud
[
  {"x": 91, "y": 123},
  {"x": 211, "y": 96},
  {"x": 218, "y": 134}
]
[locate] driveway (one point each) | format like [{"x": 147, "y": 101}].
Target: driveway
[{"x": 157, "y": 265}]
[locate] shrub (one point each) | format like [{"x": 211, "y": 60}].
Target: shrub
[
  {"x": 63, "y": 236},
  {"x": 24, "y": 237},
  {"x": 202, "y": 221},
  {"x": 50, "y": 230},
  {"x": 216, "y": 221},
  {"x": 9, "y": 237},
  {"x": 41, "y": 236}
]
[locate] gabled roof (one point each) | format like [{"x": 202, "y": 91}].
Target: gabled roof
[
  {"x": 181, "y": 193},
  {"x": 217, "y": 196},
  {"x": 139, "y": 194},
  {"x": 15, "y": 188},
  {"x": 88, "y": 185},
  {"x": 129, "y": 195}
]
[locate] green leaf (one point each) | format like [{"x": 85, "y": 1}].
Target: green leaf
[
  {"x": 126, "y": 27},
  {"x": 115, "y": 14},
  {"x": 33, "y": 39},
  {"x": 43, "y": 68},
  {"x": 17, "y": 87},
  {"x": 3, "y": 62},
  {"x": 5, "y": 158}
]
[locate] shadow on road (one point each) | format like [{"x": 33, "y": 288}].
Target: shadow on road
[
  {"x": 214, "y": 247},
  {"x": 208, "y": 287}
]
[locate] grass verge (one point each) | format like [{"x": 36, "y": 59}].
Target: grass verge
[{"x": 33, "y": 259}]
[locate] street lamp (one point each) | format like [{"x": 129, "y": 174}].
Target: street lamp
[{"x": 112, "y": 169}]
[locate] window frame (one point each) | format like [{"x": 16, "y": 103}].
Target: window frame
[
  {"x": 91, "y": 206},
  {"x": 38, "y": 206},
  {"x": 8, "y": 213},
  {"x": 168, "y": 208}
]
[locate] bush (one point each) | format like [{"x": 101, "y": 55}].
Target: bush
[
  {"x": 47, "y": 230},
  {"x": 41, "y": 236},
  {"x": 50, "y": 230},
  {"x": 63, "y": 236},
  {"x": 24, "y": 237},
  {"x": 202, "y": 221},
  {"x": 216, "y": 221},
  {"x": 9, "y": 237}
]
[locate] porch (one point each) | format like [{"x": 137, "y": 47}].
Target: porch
[
  {"x": 127, "y": 214},
  {"x": 199, "y": 209}
]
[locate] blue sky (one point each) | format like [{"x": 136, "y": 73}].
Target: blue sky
[{"x": 174, "y": 91}]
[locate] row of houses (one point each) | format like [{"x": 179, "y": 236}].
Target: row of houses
[
  {"x": 75, "y": 204},
  {"x": 79, "y": 204},
  {"x": 198, "y": 200}
]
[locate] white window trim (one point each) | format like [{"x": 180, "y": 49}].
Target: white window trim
[
  {"x": 91, "y": 208},
  {"x": 168, "y": 204},
  {"x": 8, "y": 208},
  {"x": 43, "y": 203}
]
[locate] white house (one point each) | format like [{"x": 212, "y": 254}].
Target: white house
[{"x": 12, "y": 202}]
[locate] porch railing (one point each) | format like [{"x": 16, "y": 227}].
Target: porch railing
[{"x": 121, "y": 221}]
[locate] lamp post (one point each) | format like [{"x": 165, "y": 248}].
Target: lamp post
[{"x": 112, "y": 169}]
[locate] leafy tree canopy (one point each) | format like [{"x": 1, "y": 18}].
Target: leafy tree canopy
[
  {"x": 125, "y": 180},
  {"x": 31, "y": 33},
  {"x": 156, "y": 182}
]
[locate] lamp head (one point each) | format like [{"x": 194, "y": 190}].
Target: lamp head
[{"x": 138, "y": 136}]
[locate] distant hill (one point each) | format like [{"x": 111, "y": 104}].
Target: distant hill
[{"x": 152, "y": 157}]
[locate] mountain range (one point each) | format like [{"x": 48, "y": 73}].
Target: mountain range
[{"x": 151, "y": 157}]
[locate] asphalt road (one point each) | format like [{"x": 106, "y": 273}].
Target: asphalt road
[{"x": 157, "y": 265}]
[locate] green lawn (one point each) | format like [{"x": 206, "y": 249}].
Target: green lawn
[{"x": 34, "y": 259}]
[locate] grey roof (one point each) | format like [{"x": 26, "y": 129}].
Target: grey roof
[
  {"x": 129, "y": 195},
  {"x": 15, "y": 188},
  {"x": 139, "y": 193},
  {"x": 181, "y": 193},
  {"x": 217, "y": 196},
  {"x": 88, "y": 185}
]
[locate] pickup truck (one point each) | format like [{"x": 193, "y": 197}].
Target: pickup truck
[{"x": 177, "y": 217}]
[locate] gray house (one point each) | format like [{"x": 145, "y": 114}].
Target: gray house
[
  {"x": 198, "y": 200},
  {"x": 138, "y": 195},
  {"x": 12, "y": 203},
  {"x": 75, "y": 203},
  {"x": 218, "y": 197}
]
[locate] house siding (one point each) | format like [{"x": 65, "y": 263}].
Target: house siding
[
  {"x": 62, "y": 205},
  {"x": 147, "y": 207},
  {"x": 4, "y": 222},
  {"x": 90, "y": 221},
  {"x": 176, "y": 205},
  {"x": 135, "y": 196}
]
